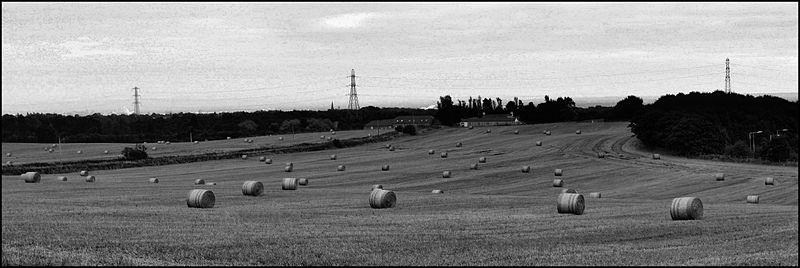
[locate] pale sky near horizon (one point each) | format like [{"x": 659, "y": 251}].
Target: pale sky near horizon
[{"x": 190, "y": 57}]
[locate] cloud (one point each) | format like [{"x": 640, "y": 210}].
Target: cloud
[
  {"x": 84, "y": 47},
  {"x": 349, "y": 20}
]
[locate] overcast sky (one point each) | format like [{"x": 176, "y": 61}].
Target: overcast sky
[{"x": 190, "y": 57}]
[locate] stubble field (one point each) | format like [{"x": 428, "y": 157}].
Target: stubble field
[{"x": 495, "y": 215}]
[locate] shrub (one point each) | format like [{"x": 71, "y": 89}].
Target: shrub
[
  {"x": 410, "y": 130},
  {"x": 140, "y": 152}
]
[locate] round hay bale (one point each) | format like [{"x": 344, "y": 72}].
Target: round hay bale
[
  {"x": 199, "y": 182},
  {"x": 61, "y": 178},
  {"x": 246, "y": 140},
  {"x": 444, "y": 154},
  {"x": 333, "y": 132},
  {"x": 489, "y": 130},
  {"x": 50, "y": 150},
  {"x": 105, "y": 152},
  {"x": 196, "y": 142},
  {"x": 769, "y": 181},
  {"x": 752, "y": 199},
  {"x": 333, "y": 157},
  {"x": 686, "y": 208},
  {"x": 200, "y": 198},
  {"x": 8, "y": 154},
  {"x": 437, "y": 192},
  {"x": 302, "y": 181},
  {"x": 53, "y": 145},
  {"x": 253, "y": 188},
  {"x": 719, "y": 176},
  {"x": 482, "y": 160},
  {"x": 228, "y": 138},
  {"x": 601, "y": 155},
  {"x": 516, "y": 131},
  {"x": 391, "y": 148},
  {"x": 385, "y": 167},
  {"x": 330, "y": 138},
  {"x": 380, "y": 198},
  {"x": 595, "y": 195},
  {"x": 458, "y": 144},
  {"x": 570, "y": 203},
  {"x": 526, "y": 169},
  {"x": 84, "y": 173},
  {"x": 280, "y": 138},
  {"x": 544, "y": 131},
  {"x": 473, "y": 166},
  {"x": 388, "y": 145},
  {"x": 578, "y": 131},
  {"x": 569, "y": 191},
  {"x": 656, "y": 156},
  {"x": 558, "y": 172},
  {"x": 31, "y": 177},
  {"x": 558, "y": 183},
  {"x": 268, "y": 161},
  {"x": 9, "y": 163},
  {"x": 244, "y": 156},
  {"x": 431, "y": 151},
  {"x": 376, "y": 186},
  {"x": 211, "y": 183},
  {"x": 262, "y": 159},
  {"x": 290, "y": 164},
  {"x": 538, "y": 143},
  {"x": 471, "y": 127},
  {"x": 288, "y": 168},
  {"x": 446, "y": 174},
  {"x": 340, "y": 168},
  {"x": 289, "y": 184},
  {"x": 90, "y": 178},
  {"x": 167, "y": 142},
  {"x": 153, "y": 180},
  {"x": 321, "y": 137},
  {"x": 154, "y": 148},
  {"x": 547, "y": 133},
  {"x": 80, "y": 152}
]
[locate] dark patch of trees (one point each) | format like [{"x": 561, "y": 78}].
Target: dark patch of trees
[
  {"x": 48, "y": 128},
  {"x": 719, "y": 123},
  {"x": 451, "y": 112},
  {"x": 140, "y": 152}
]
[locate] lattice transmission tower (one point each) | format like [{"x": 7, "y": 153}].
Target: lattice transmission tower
[
  {"x": 353, "y": 105},
  {"x": 727, "y": 75},
  {"x": 135, "y": 100}
]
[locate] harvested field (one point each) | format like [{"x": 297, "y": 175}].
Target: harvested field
[{"x": 495, "y": 215}]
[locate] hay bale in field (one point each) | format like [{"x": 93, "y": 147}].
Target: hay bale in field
[
  {"x": 548, "y": 133},
  {"x": 196, "y": 142},
  {"x": 244, "y": 156},
  {"x": 752, "y": 199},
  {"x": 8, "y": 163},
  {"x": 569, "y": 191},
  {"x": 385, "y": 167},
  {"x": 330, "y": 138},
  {"x": 473, "y": 166},
  {"x": 544, "y": 131},
  {"x": 769, "y": 181},
  {"x": 280, "y": 138},
  {"x": 558, "y": 183},
  {"x": 53, "y": 145},
  {"x": 333, "y": 132},
  {"x": 686, "y": 208},
  {"x": 79, "y": 152},
  {"x": 558, "y": 172},
  {"x": 526, "y": 169},
  {"x": 333, "y": 157},
  {"x": 31, "y": 177},
  {"x": 199, "y": 182},
  {"x": 446, "y": 174},
  {"x": 391, "y": 148},
  {"x": 321, "y": 137},
  {"x": 489, "y": 130},
  {"x": 719, "y": 176},
  {"x": 288, "y": 168},
  {"x": 340, "y": 168},
  {"x": 471, "y": 127},
  {"x": 289, "y": 184},
  {"x": 211, "y": 183},
  {"x": 228, "y": 138},
  {"x": 538, "y": 143},
  {"x": 90, "y": 178},
  {"x": 253, "y": 188},
  {"x": 154, "y": 148},
  {"x": 601, "y": 155},
  {"x": 437, "y": 192},
  {"x": 595, "y": 195},
  {"x": 444, "y": 154},
  {"x": 8, "y": 154},
  {"x": 570, "y": 203},
  {"x": 376, "y": 186},
  {"x": 61, "y": 178},
  {"x": 262, "y": 159},
  {"x": 201, "y": 198},
  {"x": 50, "y": 150},
  {"x": 105, "y": 152},
  {"x": 268, "y": 161},
  {"x": 290, "y": 164},
  {"x": 482, "y": 159},
  {"x": 458, "y": 144},
  {"x": 302, "y": 181},
  {"x": 578, "y": 131},
  {"x": 380, "y": 198},
  {"x": 153, "y": 180},
  {"x": 388, "y": 145},
  {"x": 84, "y": 173},
  {"x": 656, "y": 156},
  {"x": 167, "y": 142},
  {"x": 431, "y": 151},
  {"x": 516, "y": 131}
]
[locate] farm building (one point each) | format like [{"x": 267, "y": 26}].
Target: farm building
[
  {"x": 380, "y": 124},
  {"x": 418, "y": 121},
  {"x": 490, "y": 120}
]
